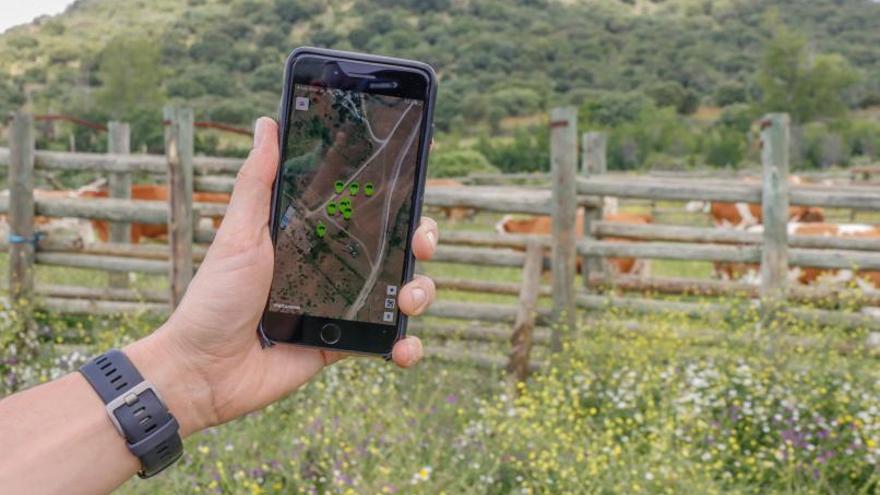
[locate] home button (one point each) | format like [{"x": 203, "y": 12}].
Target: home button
[{"x": 330, "y": 334}]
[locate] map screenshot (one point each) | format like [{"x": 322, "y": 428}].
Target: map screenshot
[{"x": 344, "y": 207}]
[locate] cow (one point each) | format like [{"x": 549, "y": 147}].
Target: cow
[
  {"x": 150, "y": 192},
  {"x": 741, "y": 216},
  {"x": 51, "y": 225},
  {"x": 543, "y": 225},
  {"x": 750, "y": 272},
  {"x": 745, "y": 216},
  {"x": 452, "y": 213}
]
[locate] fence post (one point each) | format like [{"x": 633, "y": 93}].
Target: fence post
[
  {"x": 119, "y": 142},
  {"x": 592, "y": 163},
  {"x": 21, "y": 207},
  {"x": 563, "y": 166},
  {"x": 179, "y": 153},
  {"x": 521, "y": 338},
  {"x": 775, "y": 146}
]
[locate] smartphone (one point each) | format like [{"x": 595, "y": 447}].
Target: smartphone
[{"x": 354, "y": 132}]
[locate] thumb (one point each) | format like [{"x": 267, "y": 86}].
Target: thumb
[{"x": 251, "y": 196}]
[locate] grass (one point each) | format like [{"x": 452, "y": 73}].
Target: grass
[
  {"x": 660, "y": 409},
  {"x": 634, "y": 404}
]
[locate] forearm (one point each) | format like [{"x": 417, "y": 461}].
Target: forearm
[{"x": 58, "y": 438}]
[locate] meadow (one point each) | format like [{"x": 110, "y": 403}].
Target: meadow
[{"x": 634, "y": 404}]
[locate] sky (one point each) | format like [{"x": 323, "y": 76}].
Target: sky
[{"x": 15, "y": 12}]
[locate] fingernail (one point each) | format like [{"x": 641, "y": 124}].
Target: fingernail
[
  {"x": 432, "y": 238},
  {"x": 259, "y": 132},
  {"x": 419, "y": 296}
]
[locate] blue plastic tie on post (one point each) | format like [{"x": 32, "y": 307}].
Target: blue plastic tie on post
[{"x": 32, "y": 240}]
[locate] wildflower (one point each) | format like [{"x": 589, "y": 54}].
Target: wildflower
[{"x": 423, "y": 474}]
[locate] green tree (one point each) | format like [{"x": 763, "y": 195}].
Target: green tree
[
  {"x": 131, "y": 77},
  {"x": 672, "y": 94},
  {"x": 794, "y": 80}
]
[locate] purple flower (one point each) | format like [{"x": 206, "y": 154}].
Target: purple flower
[{"x": 452, "y": 399}]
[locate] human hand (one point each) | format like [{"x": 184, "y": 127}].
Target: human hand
[{"x": 207, "y": 360}]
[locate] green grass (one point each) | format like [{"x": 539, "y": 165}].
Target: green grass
[{"x": 663, "y": 408}]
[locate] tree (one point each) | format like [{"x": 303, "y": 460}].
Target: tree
[
  {"x": 672, "y": 94},
  {"x": 794, "y": 80},
  {"x": 130, "y": 75}
]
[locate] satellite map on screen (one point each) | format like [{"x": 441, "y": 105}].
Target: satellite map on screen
[{"x": 346, "y": 184}]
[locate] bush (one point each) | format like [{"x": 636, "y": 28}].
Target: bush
[
  {"x": 515, "y": 101},
  {"x": 725, "y": 148},
  {"x": 653, "y": 131},
  {"x": 729, "y": 93},
  {"x": 266, "y": 78},
  {"x": 233, "y": 112},
  {"x": 459, "y": 163},
  {"x": 673, "y": 94},
  {"x": 738, "y": 118},
  {"x": 528, "y": 151},
  {"x": 609, "y": 109},
  {"x": 297, "y": 10},
  {"x": 821, "y": 147}
]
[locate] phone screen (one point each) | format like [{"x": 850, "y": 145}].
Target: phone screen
[{"x": 344, "y": 204}]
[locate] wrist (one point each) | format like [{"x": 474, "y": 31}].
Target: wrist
[{"x": 182, "y": 389}]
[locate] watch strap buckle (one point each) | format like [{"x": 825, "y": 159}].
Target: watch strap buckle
[{"x": 128, "y": 398}]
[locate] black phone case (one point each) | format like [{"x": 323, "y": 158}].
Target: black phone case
[{"x": 419, "y": 191}]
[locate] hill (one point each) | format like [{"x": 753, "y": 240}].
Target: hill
[{"x": 495, "y": 58}]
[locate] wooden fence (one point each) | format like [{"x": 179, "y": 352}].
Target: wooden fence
[{"x": 526, "y": 323}]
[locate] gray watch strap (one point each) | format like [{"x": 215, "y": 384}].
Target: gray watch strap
[{"x": 136, "y": 410}]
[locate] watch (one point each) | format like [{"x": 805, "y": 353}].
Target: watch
[{"x": 136, "y": 410}]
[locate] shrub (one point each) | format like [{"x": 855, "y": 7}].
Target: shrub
[
  {"x": 459, "y": 163},
  {"x": 528, "y": 151}
]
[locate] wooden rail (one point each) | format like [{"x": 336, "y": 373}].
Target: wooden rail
[
  {"x": 856, "y": 198},
  {"x": 114, "y": 210},
  {"x": 122, "y": 163},
  {"x": 722, "y": 236},
  {"x": 815, "y": 258}
]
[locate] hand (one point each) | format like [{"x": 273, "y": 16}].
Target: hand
[{"x": 207, "y": 360}]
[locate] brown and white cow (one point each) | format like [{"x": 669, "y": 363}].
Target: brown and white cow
[
  {"x": 52, "y": 225},
  {"x": 452, "y": 213},
  {"x": 150, "y": 192},
  {"x": 741, "y": 216},
  {"x": 866, "y": 279},
  {"x": 543, "y": 225}
]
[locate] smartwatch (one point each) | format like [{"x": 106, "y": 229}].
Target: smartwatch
[{"x": 136, "y": 410}]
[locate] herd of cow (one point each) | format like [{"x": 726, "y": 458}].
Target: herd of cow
[{"x": 803, "y": 221}]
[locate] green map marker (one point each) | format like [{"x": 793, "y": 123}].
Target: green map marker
[
  {"x": 368, "y": 189},
  {"x": 331, "y": 208},
  {"x": 320, "y": 230},
  {"x": 340, "y": 186},
  {"x": 346, "y": 213},
  {"x": 353, "y": 188}
]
